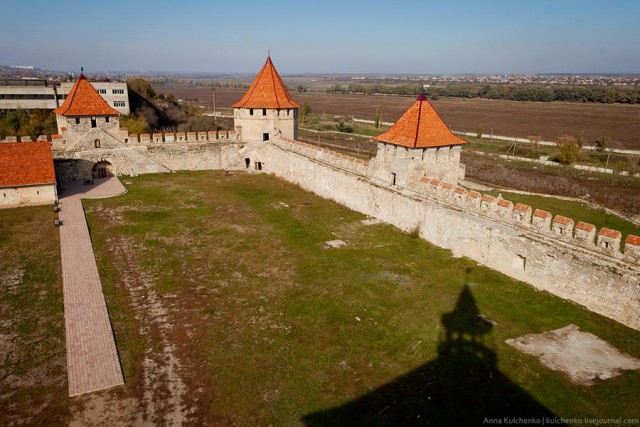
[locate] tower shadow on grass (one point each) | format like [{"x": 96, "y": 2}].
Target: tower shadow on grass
[{"x": 462, "y": 386}]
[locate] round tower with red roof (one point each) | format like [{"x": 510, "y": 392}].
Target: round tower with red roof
[
  {"x": 419, "y": 144},
  {"x": 266, "y": 111}
]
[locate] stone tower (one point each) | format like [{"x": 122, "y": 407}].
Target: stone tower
[
  {"x": 418, "y": 144},
  {"x": 266, "y": 110},
  {"x": 85, "y": 120}
]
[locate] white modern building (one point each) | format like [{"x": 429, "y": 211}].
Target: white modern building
[{"x": 32, "y": 94}]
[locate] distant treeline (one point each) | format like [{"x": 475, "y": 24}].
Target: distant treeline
[
  {"x": 175, "y": 82},
  {"x": 600, "y": 94}
]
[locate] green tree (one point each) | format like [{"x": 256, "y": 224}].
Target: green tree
[
  {"x": 580, "y": 141},
  {"x": 134, "y": 124},
  {"x": 602, "y": 143},
  {"x": 142, "y": 87},
  {"x": 306, "y": 110},
  {"x": 568, "y": 152},
  {"x": 341, "y": 127},
  {"x": 479, "y": 131},
  {"x": 378, "y": 118}
]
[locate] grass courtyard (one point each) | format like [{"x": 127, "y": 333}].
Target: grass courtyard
[{"x": 229, "y": 309}]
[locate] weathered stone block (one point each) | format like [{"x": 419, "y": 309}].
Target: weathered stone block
[
  {"x": 522, "y": 214},
  {"x": 504, "y": 208},
  {"x": 473, "y": 199},
  {"x": 609, "y": 240},
  {"x": 145, "y": 138},
  {"x": 459, "y": 195},
  {"x": 157, "y": 137},
  {"x": 632, "y": 246},
  {"x": 487, "y": 203},
  {"x": 169, "y": 137},
  {"x": 541, "y": 219},
  {"x": 585, "y": 233},
  {"x": 202, "y": 136},
  {"x": 562, "y": 226}
]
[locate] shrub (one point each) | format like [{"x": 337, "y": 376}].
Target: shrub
[{"x": 568, "y": 153}]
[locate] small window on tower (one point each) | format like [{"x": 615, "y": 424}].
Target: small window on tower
[
  {"x": 264, "y": 111},
  {"x": 106, "y": 119},
  {"x": 93, "y": 122},
  {"x": 77, "y": 120},
  {"x": 251, "y": 111},
  {"x": 265, "y": 136}
]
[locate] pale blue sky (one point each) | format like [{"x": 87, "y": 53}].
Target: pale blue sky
[{"x": 425, "y": 37}]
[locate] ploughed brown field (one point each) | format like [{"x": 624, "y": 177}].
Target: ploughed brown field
[{"x": 619, "y": 122}]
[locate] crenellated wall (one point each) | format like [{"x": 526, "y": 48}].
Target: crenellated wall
[
  {"x": 181, "y": 137},
  {"x": 526, "y": 244},
  {"x": 570, "y": 259}
]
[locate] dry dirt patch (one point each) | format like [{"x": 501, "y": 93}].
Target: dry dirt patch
[{"x": 582, "y": 356}]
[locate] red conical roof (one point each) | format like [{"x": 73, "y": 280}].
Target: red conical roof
[
  {"x": 267, "y": 91},
  {"x": 419, "y": 127},
  {"x": 83, "y": 100}
]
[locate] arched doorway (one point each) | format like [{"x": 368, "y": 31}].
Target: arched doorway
[{"x": 102, "y": 169}]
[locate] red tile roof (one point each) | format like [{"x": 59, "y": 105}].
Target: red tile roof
[
  {"x": 487, "y": 198},
  {"x": 585, "y": 227},
  {"x": 267, "y": 91},
  {"x": 83, "y": 100},
  {"x": 521, "y": 207},
  {"x": 460, "y": 190},
  {"x": 504, "y": 203},
  {"x": 419, "y": 127},
  {"x": 632, "y": 240},
  {"x": 473, "y": 194},
  {"x": 542, "y": 214},
  {"x": 562, "y": 220},
  {"x": 26, "y": 163},
  {"x": 607, "y": 232}
]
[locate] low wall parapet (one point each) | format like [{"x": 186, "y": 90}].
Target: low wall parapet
[
  {"x": 606, "y": 241},
  {"x": 334, "y": 158},
  {"x": 184, "y": 137}
]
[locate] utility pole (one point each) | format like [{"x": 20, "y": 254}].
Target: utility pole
[{"x": 213, "y": 95}]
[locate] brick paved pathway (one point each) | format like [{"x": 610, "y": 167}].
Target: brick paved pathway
[{"x": 92, "y": 358}]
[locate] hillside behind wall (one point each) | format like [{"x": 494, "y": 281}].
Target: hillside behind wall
[{"x": 608, "y": 284}]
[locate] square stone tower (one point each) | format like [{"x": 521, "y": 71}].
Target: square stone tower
[
  {"x": 266, "y": 111},
  {"x": 85, "y": 120}
]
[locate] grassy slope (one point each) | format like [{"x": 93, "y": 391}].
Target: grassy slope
[
  {"x": 33, "y": 380},
  {"x": 275, "y": 314}
]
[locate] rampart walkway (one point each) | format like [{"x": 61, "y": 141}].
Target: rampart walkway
[{"x": 92, "y": 357}]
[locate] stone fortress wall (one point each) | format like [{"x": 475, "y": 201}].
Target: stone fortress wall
[
  {"x": 553, "y": 255},
  {"x": 570, "y": 259}
]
